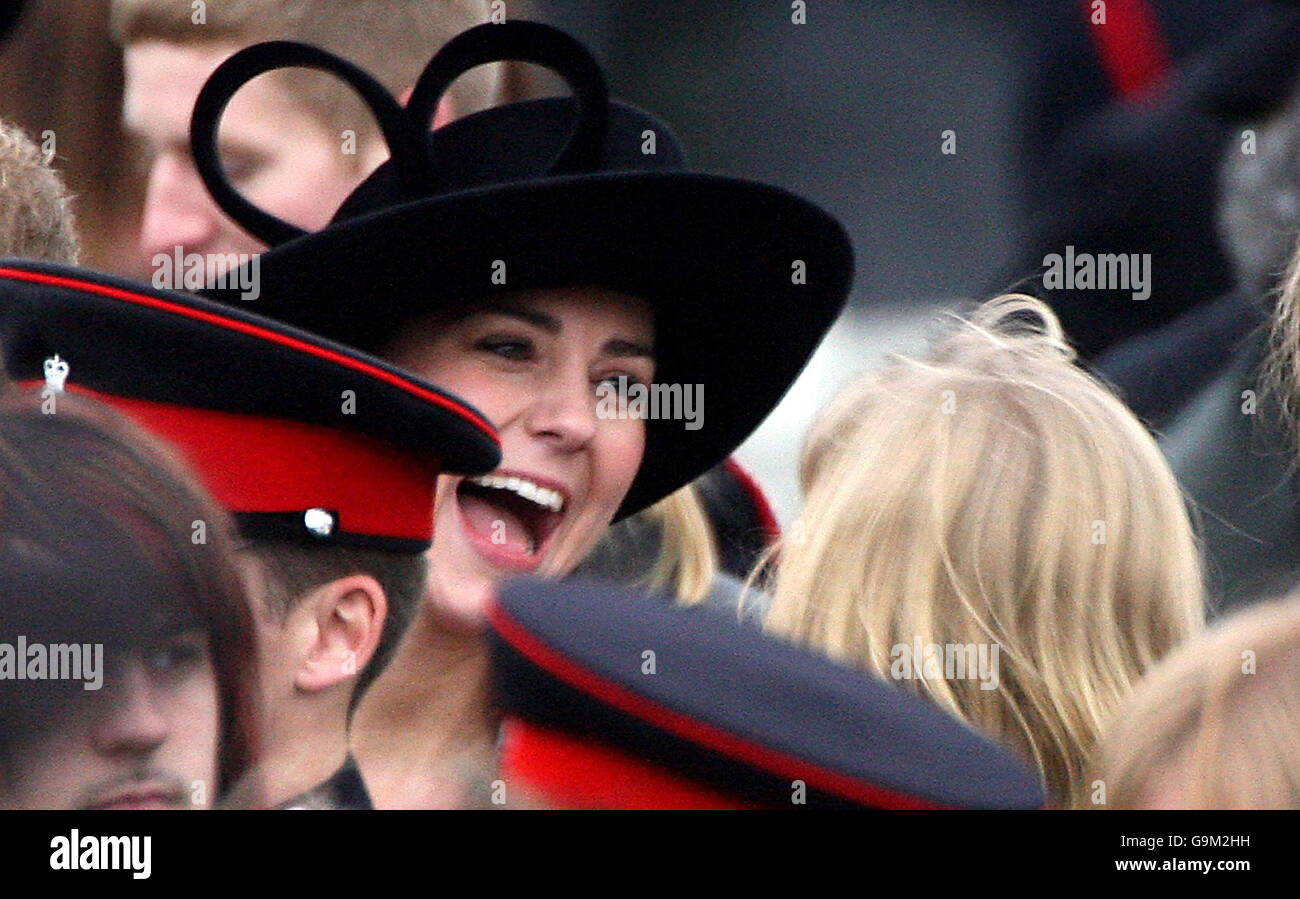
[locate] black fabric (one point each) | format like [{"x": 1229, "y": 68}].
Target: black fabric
[
  {"x": 1236, "y": 469},
  {"x": 1142, "y": 178},
  {"x": 1158, "y": 372},
  {"x": 720, "y": 259},
  {"x": 738, "y": 527},
  {"x": 345, "y": 790},
  {"x": 745, "y": 684},
  {"x": 11, "y": 11}
]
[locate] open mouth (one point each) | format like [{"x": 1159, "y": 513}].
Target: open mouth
[{"x": 510, "y": 518}]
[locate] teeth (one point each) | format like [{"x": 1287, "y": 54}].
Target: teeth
[{"x": 542, "y": 496}]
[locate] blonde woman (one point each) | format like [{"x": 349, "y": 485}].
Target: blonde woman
[
  {"x": 1215, "y": 725},
  {"x": 994, "y": 530}
]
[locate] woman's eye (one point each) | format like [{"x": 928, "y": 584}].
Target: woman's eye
[{"x": 513, "y": 349}]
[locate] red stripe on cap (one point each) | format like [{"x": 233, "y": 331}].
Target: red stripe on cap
[
  {"x": 1130, "y": 45},
  {"x": 569, "y": 773},
  {"x": 267, "y": 334},
  {"x": 698, "y": 732},
  {"x": 253, "y": 464}
]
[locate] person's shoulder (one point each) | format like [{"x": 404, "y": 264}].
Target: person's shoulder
[{"x": 727, "y": 596}]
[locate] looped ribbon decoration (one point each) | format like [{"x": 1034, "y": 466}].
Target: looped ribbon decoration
[{"x": 406, "y": 130}]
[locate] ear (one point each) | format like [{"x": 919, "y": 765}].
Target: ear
[{"x": 349, "y": 616}]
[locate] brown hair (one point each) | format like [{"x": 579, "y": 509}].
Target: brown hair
[
  {"x": 1215, "y": 724},
  {"x": 99, "y": 532},
  {"x": 36, "y": 220},
  {"x": 392, "y": 40},
  {"x": 293, "y": 571}
]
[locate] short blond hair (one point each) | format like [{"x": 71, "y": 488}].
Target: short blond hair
[
  {"x": 998, "y": 495},
  {"x": 392, "y": 40},
  {"x": 1214, "y": 725},
  {"x": 36, "y": 220}
]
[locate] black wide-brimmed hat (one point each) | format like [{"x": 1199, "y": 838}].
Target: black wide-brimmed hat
[
  {"x": 300, "y": 438},
  {"x": 744, "y": 278},
  {"x": 614, "y": 699}
]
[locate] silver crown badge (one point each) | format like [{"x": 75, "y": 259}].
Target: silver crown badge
[{"x": 56, "y": 373}]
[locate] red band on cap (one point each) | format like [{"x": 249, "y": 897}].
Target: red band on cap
[
  {"x": 701, "y": 733},
  {"x": 253, "y": 464},
  {"x": 569, "y": 773},
  {"x": 1130, "y": 46}
]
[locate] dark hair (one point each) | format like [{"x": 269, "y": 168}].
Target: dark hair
[
  {"x": 293, "y": 570},
  {"x": 104, "y": 533}
]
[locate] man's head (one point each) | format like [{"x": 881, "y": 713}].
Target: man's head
[
  {"x": 120, "y": 596},
  {"x": 36, "y": 220},
  {"x": 296, "y": 143},
  {"x": 328, "y": 618}
]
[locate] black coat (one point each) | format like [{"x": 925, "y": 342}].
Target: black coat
[
  {"x": 1235, "y": 467},
  {"x": 344, "y": 790}
]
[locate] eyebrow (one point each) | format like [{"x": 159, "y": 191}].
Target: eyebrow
[
  {"x": 548, "y": 323},
  {"x": 617, "y": 347}
]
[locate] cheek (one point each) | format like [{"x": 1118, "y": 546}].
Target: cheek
[
  {"x": 197, "y": 720},
  {"x": 47, "y": 771},
  {"x": 618, "y": 456},
  {"x": 278, "y": 185},
  {"x": 501, "y": 399}
]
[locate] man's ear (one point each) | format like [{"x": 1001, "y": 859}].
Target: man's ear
[{"x": 348, "y": 616}]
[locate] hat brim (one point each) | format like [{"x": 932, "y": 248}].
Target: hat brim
[{"x": 744, "y": 279}]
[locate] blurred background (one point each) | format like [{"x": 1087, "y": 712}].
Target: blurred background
[{"x": 849, "y": 109}]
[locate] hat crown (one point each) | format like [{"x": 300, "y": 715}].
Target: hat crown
[{"x": 516, "y": 143}]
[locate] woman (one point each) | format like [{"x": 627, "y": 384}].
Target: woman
[
  {"x": 540, "y": 259},
  {"x": 994, "y": 530},
  {"x": 107, "y": 542}
]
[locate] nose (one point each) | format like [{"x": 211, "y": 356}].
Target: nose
[
  {"x": 563, "y": 412},
  {"x": 130, "y": 722},
  {"x": 177, "y": 211}
]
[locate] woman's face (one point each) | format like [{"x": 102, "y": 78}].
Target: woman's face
[{"x": 532, "y": 362}]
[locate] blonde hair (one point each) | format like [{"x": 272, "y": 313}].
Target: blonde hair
[
  {"x": 1215, "y": 724},
  {"x": 688, "y": 556},
  {"x": 36, "y": 220},
  {"x": 994, "y": 495},
  {"x": 1281, "y": 370},
  {"x": 392, "y": 40}
]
